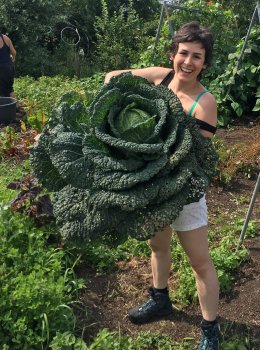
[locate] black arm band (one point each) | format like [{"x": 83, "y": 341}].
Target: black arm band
[{"x": 206, "y": 126}]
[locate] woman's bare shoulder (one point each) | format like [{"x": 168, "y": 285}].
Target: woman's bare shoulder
[
  {"x": 209, "y": 100},
  {"x": 6, "y": 38},
  {"x": 207, "y": 109}
]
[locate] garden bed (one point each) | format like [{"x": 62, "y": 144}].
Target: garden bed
[{"x": 110, "y": 296}]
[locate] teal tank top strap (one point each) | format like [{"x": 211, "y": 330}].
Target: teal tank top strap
[{"x": 196, "y": 101}]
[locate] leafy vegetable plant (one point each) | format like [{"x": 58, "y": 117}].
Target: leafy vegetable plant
[
  {"x": 127, "y": 164},
  {"x": 237, "y": 89},
  {"x": 31, "y": 201}
]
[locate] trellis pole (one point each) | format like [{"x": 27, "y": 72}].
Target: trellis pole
[
  {"x": 249, "y": 212},
  {"x": 257, "y": 186},
  {"x": 256, "y": 11},
  {"x": 173, "y": 4},
  {"x": 158, "y": 32}
]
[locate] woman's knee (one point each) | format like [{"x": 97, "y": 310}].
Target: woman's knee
[
  {"x": 161, "y": 242},
  {"x": 202, "y": 267}
]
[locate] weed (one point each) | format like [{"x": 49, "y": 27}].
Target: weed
[
  {"x": 31, "y": 201},
  {"x": 233, "y": 340},
  {"x": 106, "y": 340},
  {"x": 253, "y": 227}
]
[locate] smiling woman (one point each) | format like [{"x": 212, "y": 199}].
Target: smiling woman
[
  {"x": 189, "y": 60},
  {"x": 135, "y": 164},
  {"x": 191, "y": 53}
]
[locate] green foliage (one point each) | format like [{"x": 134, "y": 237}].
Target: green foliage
[
  {"x": 7, "y": 141},
  {"x": 36, "y": 288},
  {"x": 226, "y": 259},
  {"x": 156, "y": 56},
  {"x": 237, "y": 90},
  {"x": 103, "y": 182},
  {"x": 106, "y": 340},
  {"x": 41, "y": 51},
  {"x": 212, "y": 15},
  {"x": 242, "y": 10},
  {"x": 67, "y": 341},
  {"x": 145, "y": 9},
  {"x": 104, "y": 256},
  {"x": 40, "y": 96},
  {"x": 232, "y": 339},
  {"x": 120, "y": 37},
  {"x": 252, "y": 227},
  {"x": 27, "y": 24}
]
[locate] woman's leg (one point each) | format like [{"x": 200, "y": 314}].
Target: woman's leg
[
  {"x": 195, "y": 245},
  {"x": 159, "y": 303},
  {"x": 161, "y": 257}
]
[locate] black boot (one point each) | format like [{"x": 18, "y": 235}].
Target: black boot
[
  {"x": 159, "y": 304},
  {"x": 210, "y": 337}
]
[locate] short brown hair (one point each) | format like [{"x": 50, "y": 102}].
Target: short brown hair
[{"x": 191, "y": 32}]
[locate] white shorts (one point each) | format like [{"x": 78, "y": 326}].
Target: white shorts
[{"x": 192, "y": 216}]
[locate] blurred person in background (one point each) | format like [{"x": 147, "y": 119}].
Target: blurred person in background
[{"x": 7, "y": 69}]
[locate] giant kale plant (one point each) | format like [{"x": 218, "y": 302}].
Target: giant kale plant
[{"x": 125, "y": 165}]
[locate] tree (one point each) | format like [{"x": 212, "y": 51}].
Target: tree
[
  {"x": 28, "y": 23},
  {"x": 145, "y": 9}
]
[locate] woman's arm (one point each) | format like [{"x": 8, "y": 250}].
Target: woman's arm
[
  {"x": 11, "y": 46},
  {"x": 206, "y": 110},
  {"x": 152, "y": 74}
]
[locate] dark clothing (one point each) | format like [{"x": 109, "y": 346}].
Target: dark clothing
[
  {"x": 168, "y": 78},
  {"x": 6, "y": 79},
  {"x": 6, "y": 70},
  {"x": 4, "y": 52},
  {"x": 202, "y": 125}
]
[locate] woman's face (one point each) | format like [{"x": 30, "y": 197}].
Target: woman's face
[{"x": 189, "y": 61}]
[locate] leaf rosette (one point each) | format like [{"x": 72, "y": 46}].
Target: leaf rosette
[{"x": 127, "y": 165}]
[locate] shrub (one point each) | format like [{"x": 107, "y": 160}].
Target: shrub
[{"x": 120, "y": 37}]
